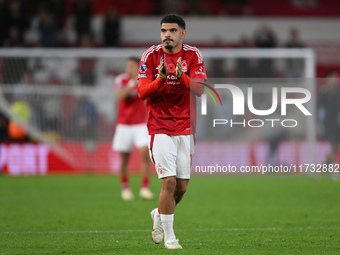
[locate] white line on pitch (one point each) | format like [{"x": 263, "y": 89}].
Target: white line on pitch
[{"x": 148, "y": 230}]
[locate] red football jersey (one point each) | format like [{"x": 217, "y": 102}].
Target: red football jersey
[
  {"x": 170, "y": 106},
  {"x": 131, "y": 111}
]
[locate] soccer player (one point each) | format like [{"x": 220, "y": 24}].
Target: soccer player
[
  {"x": 165, "y": 73},
  {"x": 131, "y": 129}
]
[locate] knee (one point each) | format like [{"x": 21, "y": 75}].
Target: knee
[
  {"x": 169, "y": 184},
  {"x": 180, "y": 190}
]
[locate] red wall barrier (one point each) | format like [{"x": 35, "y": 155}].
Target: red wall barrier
[{"x": 74, "y": 158}]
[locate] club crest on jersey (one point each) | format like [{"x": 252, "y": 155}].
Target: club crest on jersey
[
  {"x": 184, "y": 66},
  {"x": 142, "y": 68}
]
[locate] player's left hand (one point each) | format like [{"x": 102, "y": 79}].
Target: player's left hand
[{"x": 179, "y": 68}]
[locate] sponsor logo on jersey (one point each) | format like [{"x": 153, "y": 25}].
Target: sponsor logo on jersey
[
  {"x": 142, "y": 68},
  {"x": 172, "y": 77},
  {"x": 184, "y": 66},
  {"x": 142, "y": 75}
]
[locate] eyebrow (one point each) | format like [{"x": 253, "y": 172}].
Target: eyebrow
[{"x": 171, "y": 29}]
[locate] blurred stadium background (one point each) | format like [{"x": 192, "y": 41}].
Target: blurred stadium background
[{"x": 59, "y": 58}]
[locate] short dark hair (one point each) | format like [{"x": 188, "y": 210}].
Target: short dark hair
[
  {"x": 134, "y": 59},
  {"x": 173, "y": 18}
]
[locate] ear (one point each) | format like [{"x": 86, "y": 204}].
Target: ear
[{"x": 183, "y": 33}]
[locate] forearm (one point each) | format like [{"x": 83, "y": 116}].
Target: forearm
[
  {"x": 192, "y": 84},
  {"x": 147, "y": 87}
]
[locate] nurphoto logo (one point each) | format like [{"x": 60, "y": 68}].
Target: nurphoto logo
[{"x": 239, "y": 99}]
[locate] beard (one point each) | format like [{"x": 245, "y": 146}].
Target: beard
[
  {"x": 168, "y": 47},
  {"x": 167, "y": 42}
]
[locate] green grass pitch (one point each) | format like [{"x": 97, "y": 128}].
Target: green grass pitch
[{"x": 85, "y": 215}]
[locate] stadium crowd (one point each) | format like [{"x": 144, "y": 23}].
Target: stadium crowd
[{"x": 63, "y": 23}]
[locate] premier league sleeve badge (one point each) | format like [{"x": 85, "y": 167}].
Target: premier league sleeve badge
[{"x": 142, "y": 68}]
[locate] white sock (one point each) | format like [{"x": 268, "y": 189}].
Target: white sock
[{"x": 168, "y": 223}]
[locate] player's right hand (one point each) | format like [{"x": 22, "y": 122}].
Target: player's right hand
[{"x": 163, "y": 74}]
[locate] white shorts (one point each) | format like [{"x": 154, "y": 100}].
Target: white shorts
[
  {"x": 172, "y": 154},
  {"x": 127, "y": 136}
]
